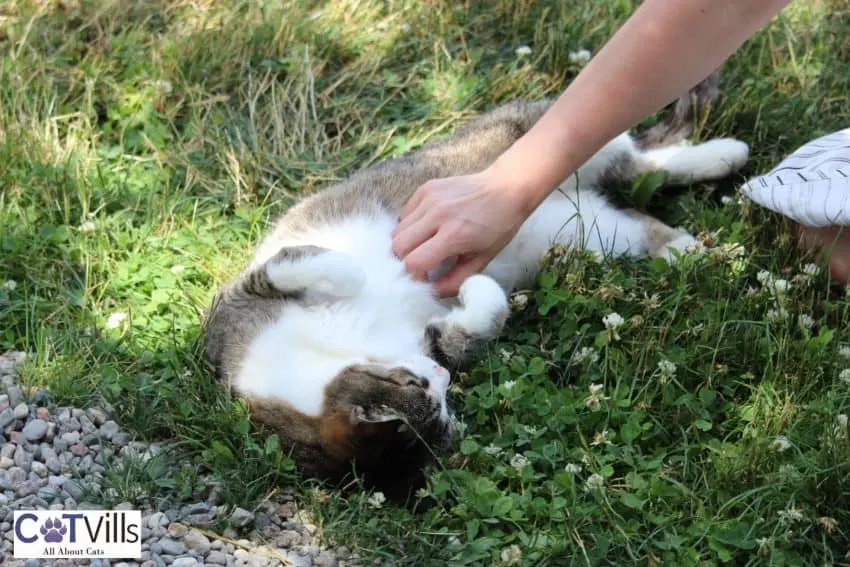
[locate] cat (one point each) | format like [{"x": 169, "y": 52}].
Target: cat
[{"x": 345, "y": 357}]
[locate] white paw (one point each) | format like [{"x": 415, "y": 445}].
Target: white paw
[
  {"x": 484, "y": 306},
  {"x": 682, "y": 244},
  {"x": 721, "y": 157},
  {"x": 331, "y": 273}
]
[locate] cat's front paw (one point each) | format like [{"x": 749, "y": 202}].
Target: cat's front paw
[
  {"x": 343, "y": 277},
  {"x": 330, "y": 273},
  {"x": 484, "y": 306}
]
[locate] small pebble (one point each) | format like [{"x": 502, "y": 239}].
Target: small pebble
[
  {"x": 57, "y": 458},
  {"x": 21, "y": 411},
  {"x": 241, "y": 517}
]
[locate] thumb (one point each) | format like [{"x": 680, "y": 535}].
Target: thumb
[{"x": 448, "y": 285}]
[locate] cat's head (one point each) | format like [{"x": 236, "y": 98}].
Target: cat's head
[
  {"x": 384, "y": 423},
  {"x": 390, "y": 420}
]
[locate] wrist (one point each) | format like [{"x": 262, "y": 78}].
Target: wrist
[{"x": 525, "y": 186}]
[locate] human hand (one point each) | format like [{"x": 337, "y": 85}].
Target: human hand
[{"x": 470, "y": 217}]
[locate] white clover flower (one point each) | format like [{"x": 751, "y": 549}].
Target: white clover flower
[
  {"x": 511, "y": 555},
  {"x": 780, "y": 444},
  {"x": 789, "y": 472},
  {"x": 778, "y": 314},
  {"x": 595, "y": 399},
  {"x": 88, "y": 226},
  {"x": 765, "y": 545},
  {"x": 726, "y": 200},
  {"x": 163, "y": 86},
  {"x": 806, "y": 321},
  {"x": 667, "y": 369},
  {"x": 454, "y": 540},
  {"x": 844, "y": 375},
  {"x": 177, "y": 268},
  {"x": 844, "y": 351},
  {"x": 505, "y": 355},
  {"x": 594, "y": 482},
  {"x": 458, "y": 425},
  {"x": 376, "y": 500},
  {"x": 572, "y": 468},
  {"x": 779, "y": 287},
  {"x": 764, "y": 277},
  {"x": 586, "y": 354},
  {"x": 582, "y": 56},
  {"x": 519, "y": 301},
  {"x": 523, "y": 51},
  {"x": 653, "y": 301},
  {"x": 519, "y": 462},
  {"x": 493, "y": 450},
  {"x": 828, "y": 524},
  {"x": 509, "y": 384},
  {"x": 840, "y": 432},
  {"x": 791, "y": 515},
  {"x": 600, "y": 438},
  {"x": 421, "y": 493},
  {"x": 530, "y": 429},
  {"x": 811, "y": 270},
  {"x": 695, "y": 248},
  {"x": 10, "y": 285},
  {"x": 612, "y": 322},
  {"x": 114, "y": 321}
]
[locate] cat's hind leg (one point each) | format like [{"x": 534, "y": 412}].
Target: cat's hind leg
[
  {"x": 686, "y": 163},
  {"x": 661, "y": 240},
  {"x": 455, "y": 339}
]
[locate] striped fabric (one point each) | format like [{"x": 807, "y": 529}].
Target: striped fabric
[{"x": 812, "y": 185}]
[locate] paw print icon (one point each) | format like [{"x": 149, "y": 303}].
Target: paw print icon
[{"x": 53, "y": 531}]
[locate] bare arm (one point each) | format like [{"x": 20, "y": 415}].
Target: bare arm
[{"x": 665, "y": 48}]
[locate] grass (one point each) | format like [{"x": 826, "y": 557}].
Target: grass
[{"x": 144, "y": 145}]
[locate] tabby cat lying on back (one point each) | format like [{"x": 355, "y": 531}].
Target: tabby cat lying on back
[{"x": 345, "y": 357}]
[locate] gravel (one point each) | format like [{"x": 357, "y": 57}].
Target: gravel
[{"x": 57, "y": 457}]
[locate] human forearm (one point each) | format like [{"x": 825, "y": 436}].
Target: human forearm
[{"x": 665, "y": 48}]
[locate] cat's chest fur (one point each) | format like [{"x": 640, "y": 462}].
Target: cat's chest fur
[{"x": 310, "y": 342}]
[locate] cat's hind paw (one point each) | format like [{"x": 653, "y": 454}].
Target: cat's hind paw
[{"x": 685, "y": 243}]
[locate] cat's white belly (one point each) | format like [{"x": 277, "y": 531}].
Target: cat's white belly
[{"x": 298, "y": 355}]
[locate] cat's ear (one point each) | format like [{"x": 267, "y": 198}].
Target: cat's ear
[{"x": 383, "y": 414}]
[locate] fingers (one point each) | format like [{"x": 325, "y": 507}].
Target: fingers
[
  {"x": 448, "y": 285},
  {"x": 429, "y": 254},
  {"x": 408, "y": 238},
  {"x": 413, "y": 203}
]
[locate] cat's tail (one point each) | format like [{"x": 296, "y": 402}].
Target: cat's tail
[{"x": 683, "y": 115}]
